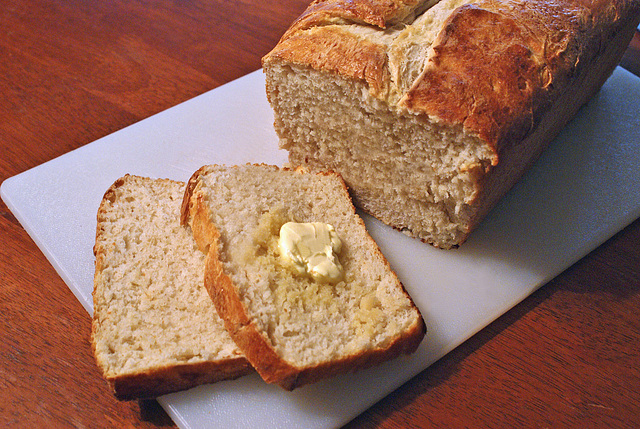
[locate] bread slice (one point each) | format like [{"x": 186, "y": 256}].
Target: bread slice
[
  {"x": 155, "y": 329},
  {"x": 293, "y": 329},
  {"x": 431, "y": 110}
]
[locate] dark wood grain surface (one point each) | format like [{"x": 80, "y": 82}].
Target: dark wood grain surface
[{"x": 72, "y": 71}]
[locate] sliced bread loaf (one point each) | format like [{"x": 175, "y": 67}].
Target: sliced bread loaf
[
  {"x": 431, "y": 110},
  {"x": 293, "y": 328},
  {"x": 155, "y": 329}
]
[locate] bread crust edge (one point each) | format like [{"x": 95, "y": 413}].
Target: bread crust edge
[{"x": 174, "y": 378}]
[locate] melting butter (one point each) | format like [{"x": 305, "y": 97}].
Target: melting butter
[{"x": 312, "y": 248}]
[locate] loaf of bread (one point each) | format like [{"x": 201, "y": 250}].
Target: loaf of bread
[
  {"x": 431, "y": 110},
  {"x": 155, "y": 329},
  {"x": 295, "y": 328}
]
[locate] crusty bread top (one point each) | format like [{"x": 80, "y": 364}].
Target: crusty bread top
[
  {"x": 491, "y": 66},
  {"x": 155, "y": 329}
]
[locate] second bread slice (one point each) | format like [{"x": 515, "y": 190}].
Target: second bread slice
[{"x": 293, "y": 329}]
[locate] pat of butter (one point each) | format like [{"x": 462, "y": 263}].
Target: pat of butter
[{"x": 312, "y": 248}]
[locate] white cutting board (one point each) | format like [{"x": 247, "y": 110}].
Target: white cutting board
[{"x": 583, "y": 190}]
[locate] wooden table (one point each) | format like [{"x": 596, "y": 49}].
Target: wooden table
[{"x": 72, "y": 71}]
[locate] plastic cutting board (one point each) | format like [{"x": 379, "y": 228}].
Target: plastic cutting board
[{"x": 584, "y": 189}]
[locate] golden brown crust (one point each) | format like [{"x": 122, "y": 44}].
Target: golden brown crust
[
  {"x": 195, "y": 213},
  {"x": 334, "y": 50},
  {"x": 188, "y": 192},
  {"x": 496, "y": 66},
  {"x": 174, "y": 378},
  {"x": 517, "y": 158},
  {"x": 379, "y": 13}
]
